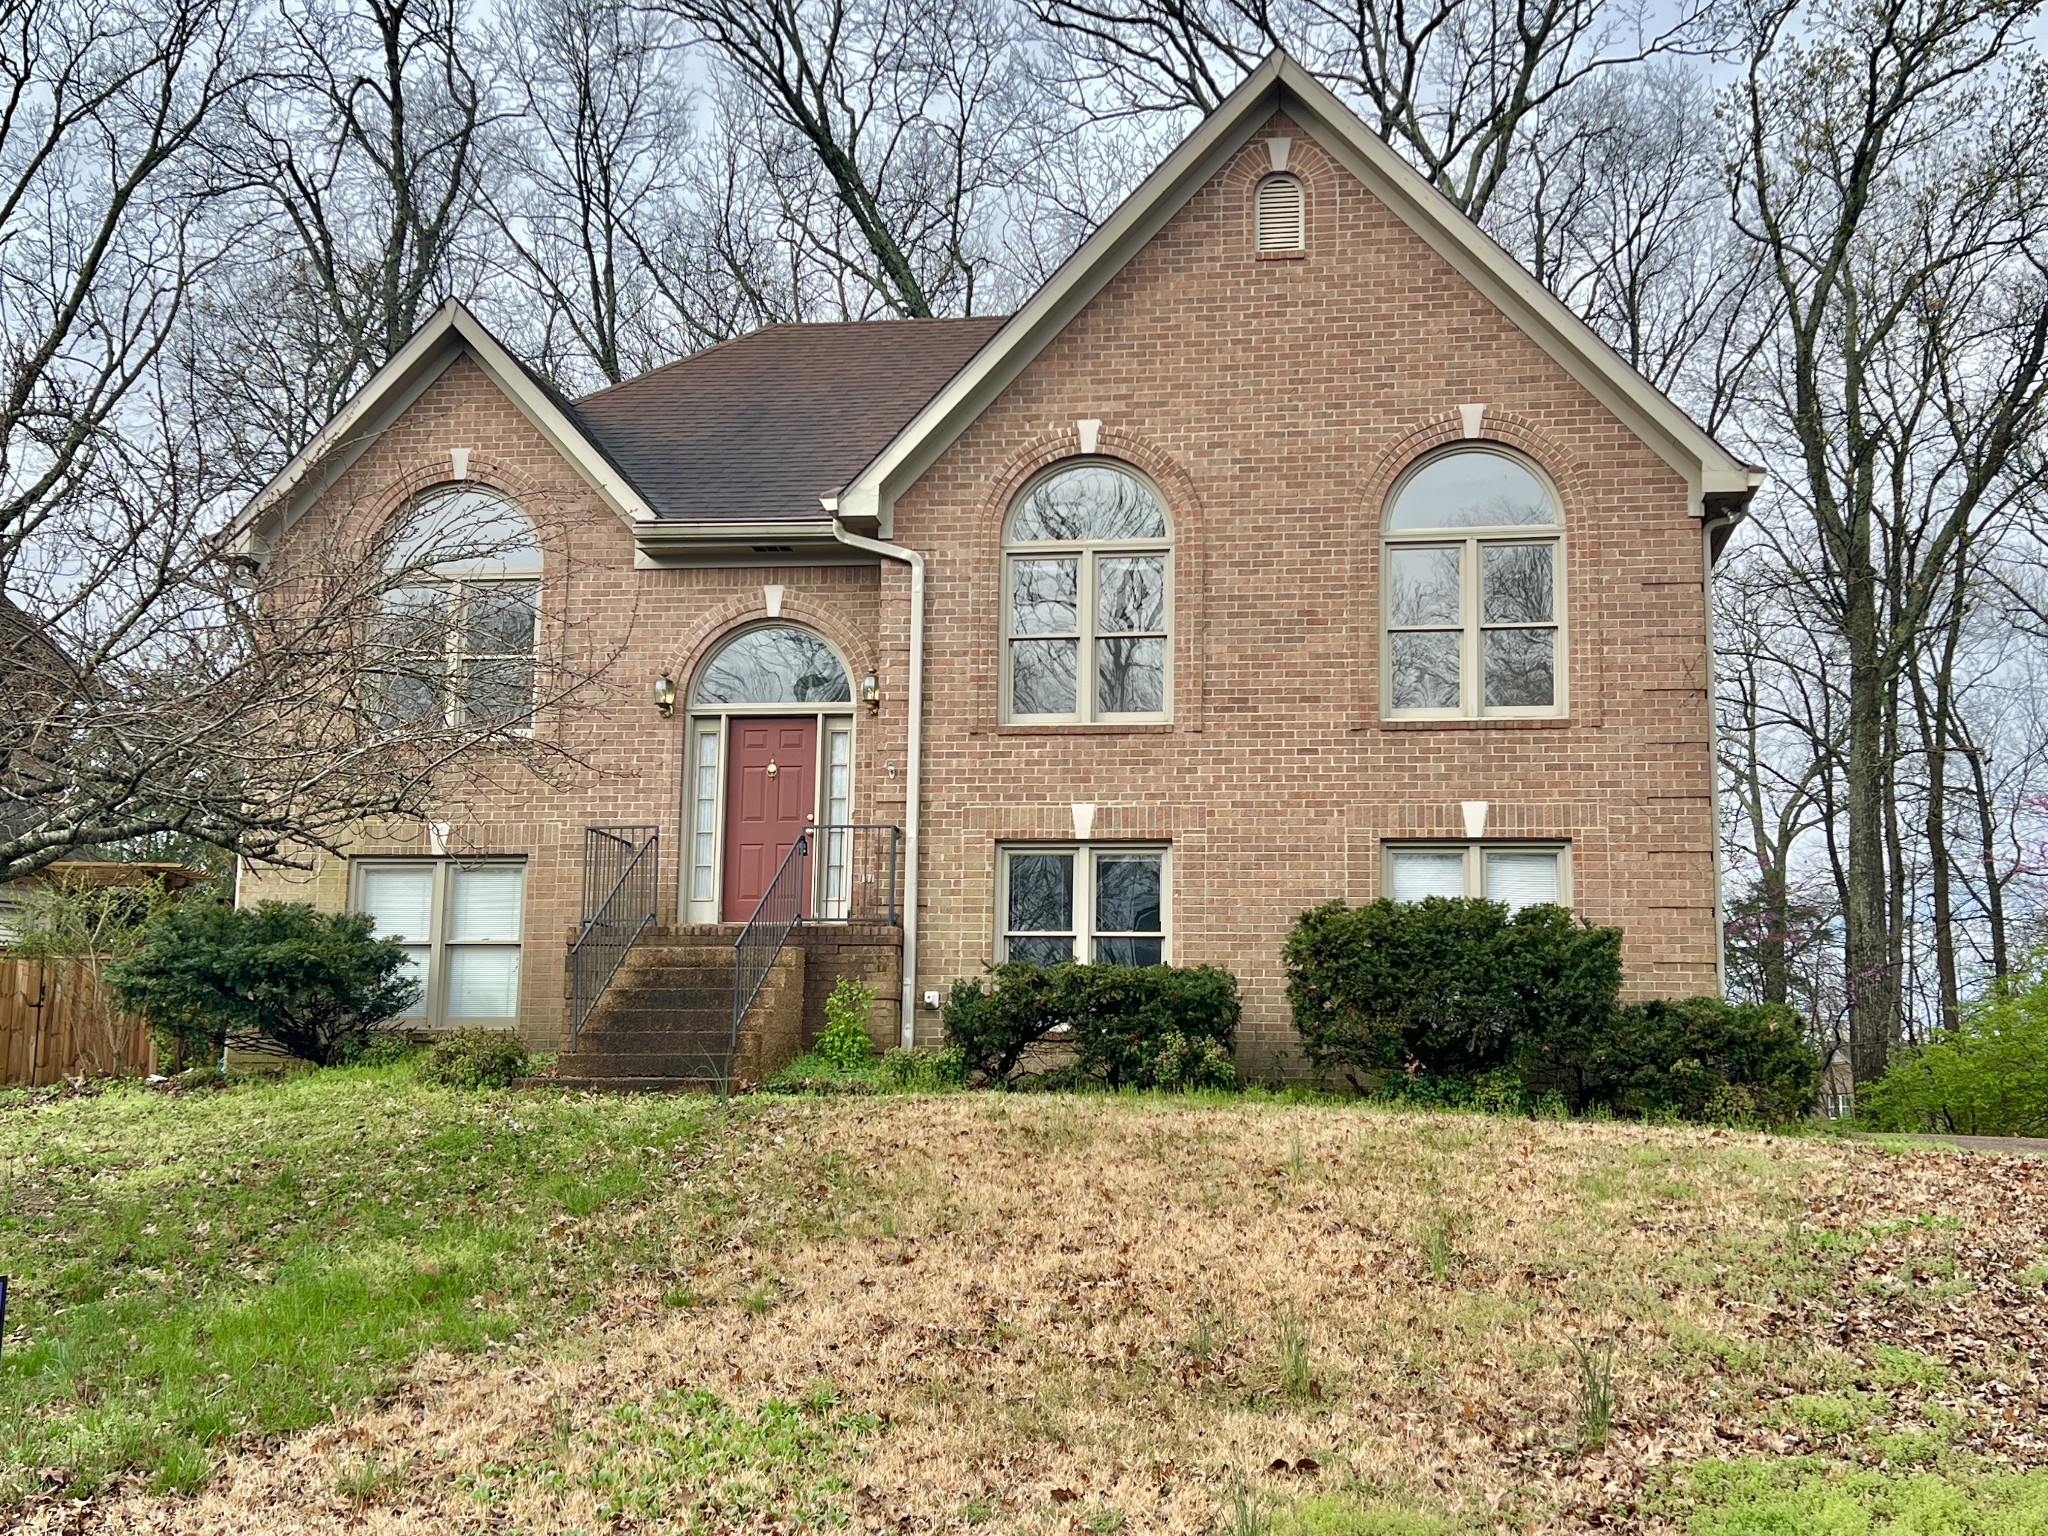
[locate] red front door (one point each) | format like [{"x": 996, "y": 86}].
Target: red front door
[{"x": 771, "y": 795}]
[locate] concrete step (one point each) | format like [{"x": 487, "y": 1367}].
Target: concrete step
[
  {"x": 691, "y": 1064},
  {"x": 638, "y": 1084}
]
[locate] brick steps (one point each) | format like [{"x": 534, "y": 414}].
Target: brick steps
[{"x": 665, "y": 1022}]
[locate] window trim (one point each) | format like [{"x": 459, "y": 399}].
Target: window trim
[
  {"x": 455, "y": 583},
  {"x": 1085, "y": 856},
  {"x": 1471, "y": 543},
  {"x": 433, "y": 1012},
  {"x": 1474, "y": 852},
  {"x": 1087, "y": 553}
]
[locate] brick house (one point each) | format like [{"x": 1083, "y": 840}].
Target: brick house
[{"x": 1290, "y": 543}]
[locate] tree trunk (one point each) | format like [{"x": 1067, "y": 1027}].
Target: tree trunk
[{"x": 1872, "y": 984}]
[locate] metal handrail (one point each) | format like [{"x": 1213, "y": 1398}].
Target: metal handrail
[
  {"x": 621, "y": 868},
  {"x": 839, "y": 873},
  {"x": 780, "y": 909}
]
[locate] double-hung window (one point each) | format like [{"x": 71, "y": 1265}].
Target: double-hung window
[
  {"x": 1086, "y": 611},
  {"x": 461, "y": 615},
  {"x": 1098, "y": 903},
  {"x": 1515, "y": 874},
  {"x": 1472, "y": 566},
  {"x": 459, "y": 922}
]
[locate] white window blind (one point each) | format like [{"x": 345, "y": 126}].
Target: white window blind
[
  {"x": 1428, "y": 873},
  {"x": 486, "y": 903},
  {"x": 1521, "y": 879},
  {"x": 1280, "y": 214},
  {"x": 483, "y": 983},
  {"x": 401, "y": 901},
  {"x": 460, "y": 924}
]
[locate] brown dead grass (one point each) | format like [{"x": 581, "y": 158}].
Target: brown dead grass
[{"x": 1064, "y": 1311}]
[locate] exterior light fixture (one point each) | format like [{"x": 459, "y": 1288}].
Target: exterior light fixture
[
  {"x": 871, "y": 693},
  {"x": 665, "y": 695}
]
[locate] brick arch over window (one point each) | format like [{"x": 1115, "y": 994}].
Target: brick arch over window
[
  {"x": 1190, "y": 547},
  {"x": 535, "y": 501},
  {"x": 1307, "y": 164},
  {"x": 1584, "y": 563}
]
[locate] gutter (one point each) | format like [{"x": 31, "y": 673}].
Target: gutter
[{"x": 914, "y": 774}]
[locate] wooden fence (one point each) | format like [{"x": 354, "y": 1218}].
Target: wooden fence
[{"x": 56, "y": 1022}]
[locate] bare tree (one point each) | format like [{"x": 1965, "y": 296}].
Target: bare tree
[
  {"x": 368, "y": 142},
  {"x": 1456, "y": 85},
  {"x": 905, "y": 111},
  {"x": 153, "y": 684},
  {"x": 110, "y": 121},
  {"x": 1889, "y": 171},
  {"x": 594, "y": 153}
]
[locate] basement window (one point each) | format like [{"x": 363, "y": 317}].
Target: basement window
[{"x": 1279, "y": 214}]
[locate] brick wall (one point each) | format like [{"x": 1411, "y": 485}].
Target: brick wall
[{"x": 1273, "y": 402}]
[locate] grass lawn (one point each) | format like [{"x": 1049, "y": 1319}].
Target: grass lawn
[
  {"x": 1008, "y": 1314},
  {"x": 189, "y": 1271}
]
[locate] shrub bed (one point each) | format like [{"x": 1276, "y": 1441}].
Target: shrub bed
[
  {"x": 1462, "y": 1004},
  {"x": 474, "y": 1058},
  {"x": 1119, "y": 1026}
]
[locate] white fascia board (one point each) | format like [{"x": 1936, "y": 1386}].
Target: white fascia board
[
  {"x": 1708, "y": 468},
  {"x": 448, "y": 333}
]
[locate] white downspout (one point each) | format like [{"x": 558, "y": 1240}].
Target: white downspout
[{"x": 914, "y": 779}]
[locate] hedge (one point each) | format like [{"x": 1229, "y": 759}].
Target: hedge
[{"x": 1128, "y": 1026}]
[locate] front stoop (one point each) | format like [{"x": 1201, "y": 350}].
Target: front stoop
[{"x": 665, "y": 1022}]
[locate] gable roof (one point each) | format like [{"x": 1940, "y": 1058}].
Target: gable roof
[
  {"x": 764, "y": 426},
  {"x": 451, "y": 332},
  {"x": 1279, "y": 83}
]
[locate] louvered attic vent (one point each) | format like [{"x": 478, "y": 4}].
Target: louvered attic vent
[{"x": 1279, "y": 214}]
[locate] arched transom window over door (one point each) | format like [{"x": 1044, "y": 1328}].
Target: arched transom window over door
[
  {"x": 1087, "y": 567},
  {"x": 1472, "y": 569}
]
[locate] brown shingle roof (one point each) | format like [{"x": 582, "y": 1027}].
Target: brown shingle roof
[{"x": 764, "y": 425}]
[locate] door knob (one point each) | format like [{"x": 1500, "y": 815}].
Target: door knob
[{"x": 772, "y": 769}]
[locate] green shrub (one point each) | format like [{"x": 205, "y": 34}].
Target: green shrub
[
  {"x": 280, "y": 977},
  {"x": 475, "y": 1058},
  {"x": 1448, "y": 987},
  {"x": 1989, "y": 1078},
  {"x": 844, "y": 1040},
  {"x": 1129, "y": 1026},
  {"x": 924, "y": 1071},
  {"x": 1695, "y": 1058}
]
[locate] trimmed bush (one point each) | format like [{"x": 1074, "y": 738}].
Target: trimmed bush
[
  {"x": 474, "y": 1058},
  {"x": 1695, "y": 1058},
  {"x": 1128, "y": 1026},
  {"x": 1445, "y": 987},
  {"x": 280, "y": 977},
  {"x": 1989, "y": 1078},
  {"x": 844, "y": 1040}
]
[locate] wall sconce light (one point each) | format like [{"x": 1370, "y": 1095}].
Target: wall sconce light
[
  {"x": 871, "y": 693},
  {"x": 665, "y": 695}
]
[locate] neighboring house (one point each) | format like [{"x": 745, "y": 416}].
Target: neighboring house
[
  {"x": 90, "y": 870},
  {"x": 1291, "y": 543}
]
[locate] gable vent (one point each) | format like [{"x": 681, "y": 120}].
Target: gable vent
[{"x": 1279, "y": 214}]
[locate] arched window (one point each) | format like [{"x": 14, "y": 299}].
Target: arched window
[
  {"x": 778, "y": 665},
  {"x": 1472, "y": 567},
  {"x": 1278, "y": 212},
  {"x": 461, "y": 613},
  {"x": 1085, "y": 615}
]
